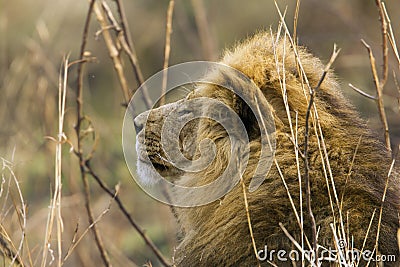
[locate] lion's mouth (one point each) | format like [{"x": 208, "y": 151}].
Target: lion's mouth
[
  {"x": 155, "y": 162},
  {"x": 159, "y": 167}
]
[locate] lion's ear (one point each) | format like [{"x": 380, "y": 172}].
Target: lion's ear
[
  {"x": 246, "y": 113},
  {"x": 251, "y": 105},
  {"x": 249, "y": 102}
]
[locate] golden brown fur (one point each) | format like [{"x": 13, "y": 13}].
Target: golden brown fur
[{"x": 218, "y": 234}]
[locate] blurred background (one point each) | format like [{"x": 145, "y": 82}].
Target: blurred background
[{"x": 36, "y": 35}]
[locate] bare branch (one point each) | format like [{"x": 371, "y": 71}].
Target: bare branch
[
  {"x": 203, "y": 27},
  {"x": 112, "y": 50},
  {"x": 398, "y": 90},
  {"x": 13, "y": 252},
  {"x": 121, "y": 206},
  {"x": 79, "y": 119},
  {"x": 246, "y": 205},
  {"x": 366, "y": 235},
  {"x": 361, "y": 92},
  {"x": 384, "y": 27},
  {"x": 127, "y": 46},
  {"x": 382, "y": 202},
  {"x": 54, "y": 214},
  {"x": 379, "y": 101},
  {"x": 295, "y": 20},
  {"x": 125, "y": 28},
  {"x": 391, "y": 36},
  {"x": 84, "y": 163},
  {"x": 76, "y": 241},
  {"x": 307, "y": 255},
  {"x": 167, "y": 50},
  {"x": 305, "y": 153}
]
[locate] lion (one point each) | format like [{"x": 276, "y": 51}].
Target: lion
[{"x": 348, "y": 167}]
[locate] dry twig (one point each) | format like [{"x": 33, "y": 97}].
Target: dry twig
[
  {"x": 305, "y": 153},
  {"x": 13, "y": 252},
  {"x": 384, "y": 32},
  {"x": 121, "y": 206},
  {"x": 381, "y": 82},
  {"x": 167, "y": 50},
  {"x": 76, "y": 241},
  {"x": 293, "y": 136},
  {"x": 79, "y": 152},
  {"x": 246, "y": 205},
  {"x": 130, "y": 50},
  {"x": 297, "y": 245},
  {"x": 361, "y": 92},
  {"x": 379, "y": 96},
  {"x": 112, "y": 50},
  {"x": 366, "y": 235},
  {"x": 391, "y": 36},
  {"x": 295, "y": 20},
  {"x": 382, "y": 202},
  {"x": 203, "y": 27},
  {"x": 55, "y": 204},
  {"x": 85, "y": 162},
  {"x": 126, "y": 43}
]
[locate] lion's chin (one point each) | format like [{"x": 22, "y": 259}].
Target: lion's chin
[
  {"x": 147, "y": 173},
  {"x": 150, "y": 175}
]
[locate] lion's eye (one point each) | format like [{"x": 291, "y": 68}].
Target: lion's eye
[{"x": 182, "y": 112}]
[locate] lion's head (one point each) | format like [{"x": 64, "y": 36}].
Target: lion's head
[{"x": 213, "y": 132}]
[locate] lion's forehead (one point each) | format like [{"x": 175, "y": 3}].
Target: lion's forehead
[
  {"x": 184, "y": 116},
  {"x": 173, "y": 114}
]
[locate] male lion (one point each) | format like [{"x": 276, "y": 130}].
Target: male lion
[{"x": 348, "y": 168}]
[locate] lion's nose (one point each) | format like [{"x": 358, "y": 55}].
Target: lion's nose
[
  {"x": 139, "y": 122},
  {"x": 138, "y": 126}
]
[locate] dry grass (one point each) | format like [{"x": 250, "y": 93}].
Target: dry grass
[
  {"x": 10, "y": 191},
  {"x": 312, "y": 114}
]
